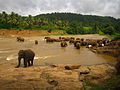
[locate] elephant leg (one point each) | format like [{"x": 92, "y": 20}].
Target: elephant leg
[
  {"x": 31, "y": 62},
  {"x": 19, "y": 62},
  {"x": 25, "y": 63},
  {"x": 28, "y": 62}
]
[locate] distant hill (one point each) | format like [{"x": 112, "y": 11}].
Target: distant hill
[{"x": 79, "y": 18}]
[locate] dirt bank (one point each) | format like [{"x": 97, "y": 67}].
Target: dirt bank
[
  {"x": 112, "y": 49},
  {"x": 28, "y": 32},
  {"x": 53, "y": 77}
]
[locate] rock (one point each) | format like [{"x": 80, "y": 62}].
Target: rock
[
  {"x": 84, "y": 73},
  {"x": 53, "y": 82},
  {"x": 62, "y": 77},
  {"x": 84, "y": 69},
  {"x": 67, "y": 68},
  {"x": 53, "y": 66},
  {"x": 50, "y": 88},
  {"x": 92, "y": 77},
  {"x": 72, "y": 67},
  {"x": 81, "y": 78}
]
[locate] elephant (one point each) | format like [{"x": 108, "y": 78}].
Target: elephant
[
  {"x": 82, "y": 39},
  {"x": 57, "y": 40},
  {"x": 64, "y": 38},
  {"x": 20, "y": 39},
  {"x": 60, "y": 38},
  {"x": 63, "y": 44},
  {"x": 28, "y": 57},
  {"x": 36, "y": 42},
  {"x": 75, "y": 42},
  {"x": 50, "y": 40},
  {"x": 91, "y": 43},
  {"x": 72, "y": 38},
  {"x": 71, "y": 41},
  {"x": 78, "y": 45},
  {"x": 83, "y": 43},
  {"x": 46, "y": 38},
  {"x": 78, "y": 39}
]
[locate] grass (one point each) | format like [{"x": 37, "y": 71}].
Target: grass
[
  {"x": 113, "y": 36},
  {"x": 109, "y": 84},
  {"x": 109, "y": 36},
  {"x": 57, "y": 34}
]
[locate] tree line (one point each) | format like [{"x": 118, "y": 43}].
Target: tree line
[{"x": 70, "y": 22}]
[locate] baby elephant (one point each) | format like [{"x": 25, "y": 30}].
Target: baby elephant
[
  {"x": 28, "y": 57},
  {"x": 78, "y": 45},
  {"x": 63, "y": 44},
  {"x": 36, "y": 42},
  {"x": 20, "y": 39}
]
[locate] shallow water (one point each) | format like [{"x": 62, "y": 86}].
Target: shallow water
[{"x": 51, "y": 53}]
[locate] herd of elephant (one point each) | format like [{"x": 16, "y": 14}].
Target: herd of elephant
[
  {"x": 21, "y": 39},
  {"x": 28, "y": 55},
  {"x": 78, "y": 42}
]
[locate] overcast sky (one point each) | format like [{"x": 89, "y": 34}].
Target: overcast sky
[{"x": 35, "y": 7}]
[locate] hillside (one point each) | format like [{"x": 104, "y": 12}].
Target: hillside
[
  {"x": 70, "y": 22},
  {"x": 79, "y": 18}
]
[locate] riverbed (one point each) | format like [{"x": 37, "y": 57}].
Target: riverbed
[{"x": 52, "y": 53}]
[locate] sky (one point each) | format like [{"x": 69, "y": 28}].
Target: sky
[{"x": 85, "y": 7}]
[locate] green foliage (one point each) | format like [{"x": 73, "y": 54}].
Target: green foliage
[
  {"x": 69, "y": 22},
  {"x": 109, "y": 30},
  {"x": 88, "y": 30},
  {"x": 100, "y": 32},
  {"x": 113, "y": 36}
]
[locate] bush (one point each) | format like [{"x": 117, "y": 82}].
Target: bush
[{"x": 109, "y": 30}]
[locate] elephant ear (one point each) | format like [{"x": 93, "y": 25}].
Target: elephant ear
[{"x": 21, "y": 53}]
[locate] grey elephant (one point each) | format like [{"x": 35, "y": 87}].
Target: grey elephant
[
  {"x": 28, "y": 57},
  {"x": 75, "y": 42},
  {"x": 63, "y": 44},
  {"x": 78, "y": 45},
  {"x": 36, "y": 42},
  {"x": 20, "y": 39}
]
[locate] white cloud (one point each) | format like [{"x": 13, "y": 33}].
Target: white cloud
[{"x": 34, "y": 7}]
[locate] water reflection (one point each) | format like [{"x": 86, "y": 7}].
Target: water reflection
[{"x": 63, "y": 49}]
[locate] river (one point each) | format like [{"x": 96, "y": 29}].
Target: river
[{"x": 50, "y": 53}]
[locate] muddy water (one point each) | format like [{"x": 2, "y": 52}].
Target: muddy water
[{"x": 50, "y": 53}]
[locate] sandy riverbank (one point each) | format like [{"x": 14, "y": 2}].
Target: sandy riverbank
[{"x": 52, "y": 77}]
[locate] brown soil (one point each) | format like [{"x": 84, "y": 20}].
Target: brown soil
[
  {"x": 52, "y": 77},
  {"x": 28, "y": 32}
]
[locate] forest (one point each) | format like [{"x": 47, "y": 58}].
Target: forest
[{"x": 72, "y": 23}]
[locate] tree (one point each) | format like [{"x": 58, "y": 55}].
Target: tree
[
  {"x": 109, "y": 30},
  {"x": 96, "y": 28},
  {"x": 69, "y": 22}
]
